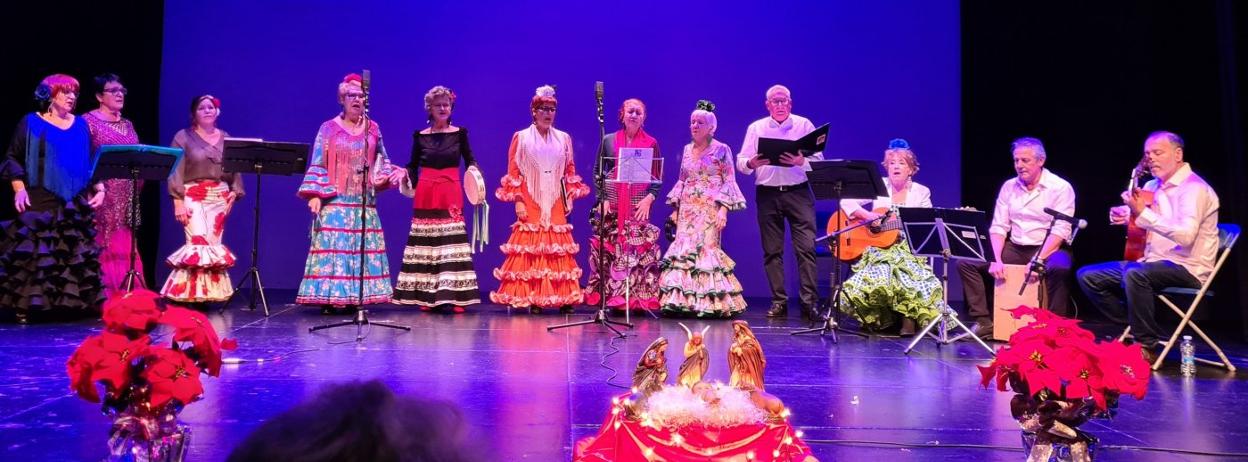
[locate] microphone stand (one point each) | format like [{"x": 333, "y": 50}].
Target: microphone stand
[
  {"x": 1035, "y": 266},
  {"x": 600, "y": 230},
  {"x": 366, "y": 183}
]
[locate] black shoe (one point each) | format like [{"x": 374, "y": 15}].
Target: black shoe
[
  {"x": 566, "y": 309},
  {"x": 1149, "y": 353},
  {"x": 535, "y": 310},
  {"x": 778, "y": 310},
  {"x": 982, "y": 330},
  {"x": 327, "y": 310},
  {"x": 907, "y": 328}
]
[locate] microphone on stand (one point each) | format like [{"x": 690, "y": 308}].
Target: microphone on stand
[{"x": 1075, "y": 222}]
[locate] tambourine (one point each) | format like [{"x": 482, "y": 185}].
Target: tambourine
[
  {"x": 474, "y": 185},
  {"x": 474, "y": 190}
]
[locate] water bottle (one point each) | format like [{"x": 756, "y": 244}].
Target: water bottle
[{"x": 1187, "y": 352}]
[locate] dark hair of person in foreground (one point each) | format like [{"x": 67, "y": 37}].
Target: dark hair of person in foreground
[{"x": 360, "y": 421}]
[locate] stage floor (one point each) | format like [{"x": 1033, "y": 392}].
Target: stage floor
[{"x": 530, "y": 394}]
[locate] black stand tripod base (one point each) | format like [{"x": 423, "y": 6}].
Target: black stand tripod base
[
  {"x": 360, "y": 320},
  {"x": 600, "y": 317},
  {"x": 253, "y": 275}
]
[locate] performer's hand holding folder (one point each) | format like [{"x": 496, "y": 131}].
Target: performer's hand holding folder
[{"x": 772, "y": 148}]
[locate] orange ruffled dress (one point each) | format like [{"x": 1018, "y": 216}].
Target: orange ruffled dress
[{"x": 540, "y": 267}]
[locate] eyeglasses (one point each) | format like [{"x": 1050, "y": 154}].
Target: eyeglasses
[
  {"x": 354, "y": 96},
  {"x": 546, "y": 109},
  {"x": 117, "y": 91},
  {"x": 781, "y": 101}
]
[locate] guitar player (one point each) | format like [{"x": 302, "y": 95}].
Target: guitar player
[
  {"x": 1019, "y": 224},
  {"x": 879, "y": 292},
  {"x": 1181, "y": 244}
]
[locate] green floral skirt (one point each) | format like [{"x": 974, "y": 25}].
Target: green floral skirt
[{"x": 889, "y": 284}]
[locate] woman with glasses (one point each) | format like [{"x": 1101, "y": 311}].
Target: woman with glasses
[
  {"x": 631, "y": 250},
  {"x": 437, "y": 263},
  {"x": 112, "y": 219},
  {"x": 203, "y": 194},
  {"x": 348, "y": 164},
  {"x": 540, "y": 269},
  {"x": 49, "y": 260}
]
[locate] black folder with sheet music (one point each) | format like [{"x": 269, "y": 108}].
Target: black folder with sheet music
[{"x": 772, "y": 148}]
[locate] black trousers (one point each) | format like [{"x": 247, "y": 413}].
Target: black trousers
[
  {"x": 976, "y": 280},
  {"x": 796, "y": 205},
  {"x": 1126, "y": 293}
]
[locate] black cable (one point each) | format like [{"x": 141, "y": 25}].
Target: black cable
[{"x": 614, "y": 349}]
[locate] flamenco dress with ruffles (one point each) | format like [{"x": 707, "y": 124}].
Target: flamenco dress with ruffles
[
  {"x": 332, "y": 273},
  {"x": 437, "y": 262},
  {"x": 540, "y": 268},
  {"x": 630, "y": 252},
  {"x": 49, "y": 259},
  {"x": 698, "y": 276},
  {"x": 200, "y": 267},
  {"x": 112, "y": 219}
]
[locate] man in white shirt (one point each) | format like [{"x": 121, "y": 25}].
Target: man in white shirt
[
  {"x": 1182, "y": 243},
  {"x": 783, "y": 195},
  {"x": 1019, "y": 224}
]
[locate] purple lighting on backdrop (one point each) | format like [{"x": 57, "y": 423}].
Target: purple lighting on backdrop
[{"x": 873, "y": 71}]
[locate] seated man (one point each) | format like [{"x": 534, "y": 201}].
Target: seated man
[
  {"x": 1182, "y": 243},
  {"x": 1019, "y": 224}
]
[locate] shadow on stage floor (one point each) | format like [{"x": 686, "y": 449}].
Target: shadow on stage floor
[{"x": 530, "y": 394}]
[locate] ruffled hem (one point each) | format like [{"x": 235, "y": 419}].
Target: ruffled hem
[
  {"x": 510, "y": 189},
  {"x": 340, "y": 301},
  {"x": 544, "y": 301},
  {"x": 616, "y": 302},
  {"x": 537, "y": 274},
  {"x": 196, "y": 285},
  {"x": 49, "y": 261},
  {"x": 203, "y": 257},
  {"x": 575, "y": 187},
  {"x": 540, "y": 240},
  {"x": 709, "y": 306}
]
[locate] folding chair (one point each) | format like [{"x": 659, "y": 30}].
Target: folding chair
[{"x": 1227, "y": 235}]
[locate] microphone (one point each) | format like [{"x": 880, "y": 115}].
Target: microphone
[
  {"x": 1076, "y": 222},
  {"x": 598, "y": 99}
]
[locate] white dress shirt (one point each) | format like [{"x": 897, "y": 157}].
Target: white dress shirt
[
  {"x": 792, "y": 128},
  {"x": 1019, "y": 213},
  {"x": 917, "y": 195},
  {"x": 1182, "y": 223}
]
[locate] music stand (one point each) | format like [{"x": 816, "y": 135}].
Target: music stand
[
  {"x": 946, "y": 234},
  {"x": 135, "y": 162},
  {"x": 833, "y": 180},
  {"x": 261, "y": 157}
]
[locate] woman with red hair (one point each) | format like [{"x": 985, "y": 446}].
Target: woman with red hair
[
  {"x": 540, "y": 269},
  {"x": 631, "y": 248},
  {"x": 347, "y": 165},
  {"x": 49, "y": 259},
  {"x": 203, "y": 193}
]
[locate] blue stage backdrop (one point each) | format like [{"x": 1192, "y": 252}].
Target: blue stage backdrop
[{"x": 873, "y": 70}]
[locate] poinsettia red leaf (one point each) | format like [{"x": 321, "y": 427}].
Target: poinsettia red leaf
[{"x": 173, "y": 376}]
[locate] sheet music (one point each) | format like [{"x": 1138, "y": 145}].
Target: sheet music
[{"x": 635, "y": 165}]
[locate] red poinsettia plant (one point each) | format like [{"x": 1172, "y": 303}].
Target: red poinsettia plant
[
  {"x": 142, "y": 381},
  {"x": 1052, "y": 358}
]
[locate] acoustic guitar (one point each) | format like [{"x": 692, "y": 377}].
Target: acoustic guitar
[
  {"x": 1137, "y": 237},
  {"x": 855, "y": 242}
]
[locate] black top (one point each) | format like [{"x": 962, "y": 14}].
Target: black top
[{"x": 439, "y": 150}]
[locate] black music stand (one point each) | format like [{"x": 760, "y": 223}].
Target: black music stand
[
  {"x": 135, "y": 162},
  {"x": 833, "y": 180},
  {"x": 947, "y": 234},
  {"x": 261, "y": 158}
]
